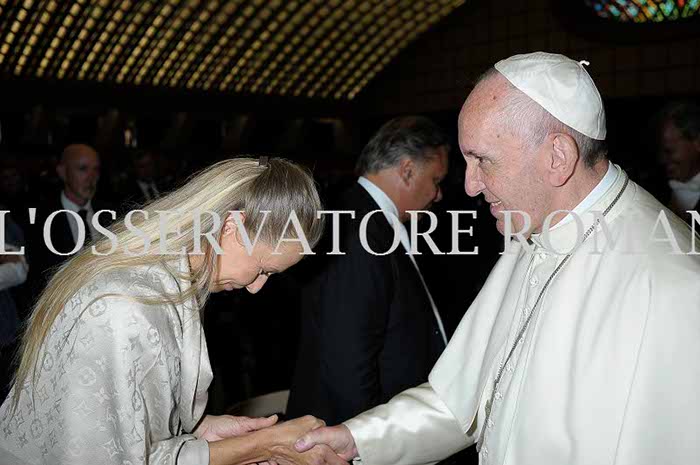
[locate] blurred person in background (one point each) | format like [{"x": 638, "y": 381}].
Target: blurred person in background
[
  {"x": 141, "y": 185},
  {"x": 13, "y": 189},
  {"x": 79, "y": 172},
  {"x": 680, "y": 155}
]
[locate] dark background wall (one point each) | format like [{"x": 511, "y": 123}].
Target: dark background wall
[{"x": 627, "y": 60}]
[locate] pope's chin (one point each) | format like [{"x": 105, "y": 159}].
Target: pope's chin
[
  {"x": 495, "y": 208},
  {"x": 515, "y": 229},
  {"x": 500, "y": 225}
]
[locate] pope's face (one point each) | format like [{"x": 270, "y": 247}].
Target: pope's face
[{"x": 499, "y": 165}]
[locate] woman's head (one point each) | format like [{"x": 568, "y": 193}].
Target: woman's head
[
  {"x": 238, "y": 268},
  {"x": 278, "y": 203},
  {"x": 197, "y": 220},
  {"x": 227, "y": 218}
]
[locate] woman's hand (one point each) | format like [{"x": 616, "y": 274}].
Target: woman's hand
[
  {"x": 273, "y": 445},
  {"x": 287, "y": 433},
  {"x": 217, "y": 427}
]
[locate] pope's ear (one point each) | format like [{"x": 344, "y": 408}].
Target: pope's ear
[{"x": 562, "y": 159}]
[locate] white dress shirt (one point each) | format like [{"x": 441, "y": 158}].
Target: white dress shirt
[
  {"x": 594, "y": 195},
  {"x": 13, "y": 273},
  {"x": 392, "y": 215},
  {"x": 686, "y": 194},
  {"x": 149, "y": 190}
]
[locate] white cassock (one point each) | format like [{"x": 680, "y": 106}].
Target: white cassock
[
  {"x": 122, "y": 382},
  {"x": 607, "y": 371}
]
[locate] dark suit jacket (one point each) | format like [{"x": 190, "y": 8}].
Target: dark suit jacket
[
  {"x": 367, "y": 328},
  {"x": 41, "y": 259},
  {"x": 131, "y": 196}
]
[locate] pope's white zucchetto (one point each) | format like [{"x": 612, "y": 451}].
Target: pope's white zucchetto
[{"x": 561, "y": 86}]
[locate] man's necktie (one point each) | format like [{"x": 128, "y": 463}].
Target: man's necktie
[{"x": 88, "y": 232}]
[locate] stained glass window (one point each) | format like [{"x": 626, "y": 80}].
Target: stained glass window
[{"x": 642, "y": 11}]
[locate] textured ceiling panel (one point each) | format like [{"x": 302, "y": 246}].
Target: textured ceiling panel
[{"x": 314, "y": 49}]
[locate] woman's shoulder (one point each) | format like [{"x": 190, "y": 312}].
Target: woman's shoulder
[
  {"x": 147, "y": 293},
  {"x": 162, "y": 278}
]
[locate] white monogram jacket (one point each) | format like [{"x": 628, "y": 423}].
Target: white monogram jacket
[{"x": 121, "y": 382}]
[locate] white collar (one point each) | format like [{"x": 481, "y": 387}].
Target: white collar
[
  {"x": 593, "y": 196},
  {"x": 379, "y": 196},
  {"x": 565, "y": 235},
  {"x": 693, "y": 184},
  {"x": 68, "y": 204}
]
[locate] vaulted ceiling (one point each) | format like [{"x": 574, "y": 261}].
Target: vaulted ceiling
[{"x": 327, "y": 49}]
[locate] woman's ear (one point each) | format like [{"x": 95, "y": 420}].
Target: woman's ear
[
  {"x": 230, "y": 224},
  {"x": 562, "y": 158}
]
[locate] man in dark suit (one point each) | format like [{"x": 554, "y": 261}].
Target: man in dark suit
[
  {"x": 680, "y": 155},
  {"x": 142, "y": 187},
  {"x": 79, "y": 170},
  {"x": 370, "y": 328}
]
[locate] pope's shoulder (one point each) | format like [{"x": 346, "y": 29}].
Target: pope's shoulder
[{"x": 666, "y": 245}]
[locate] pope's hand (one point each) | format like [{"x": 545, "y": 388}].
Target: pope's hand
[
  {"x": 285, "y": 435},
  {"x": 338, "y": 438},
  {"x": 218, "y": 427}
]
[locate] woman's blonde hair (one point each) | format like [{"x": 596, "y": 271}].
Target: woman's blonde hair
[{"x": 276, "y": 186}]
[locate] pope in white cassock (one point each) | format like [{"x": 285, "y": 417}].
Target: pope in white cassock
[{"x": 583, "y": 346}]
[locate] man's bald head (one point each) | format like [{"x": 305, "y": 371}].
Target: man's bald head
[
  {"x": 73, "y": 152},
  {"x": 79, "y": 169}
]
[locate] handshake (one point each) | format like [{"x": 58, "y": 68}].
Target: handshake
[{"x": 304, "y": 441}]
